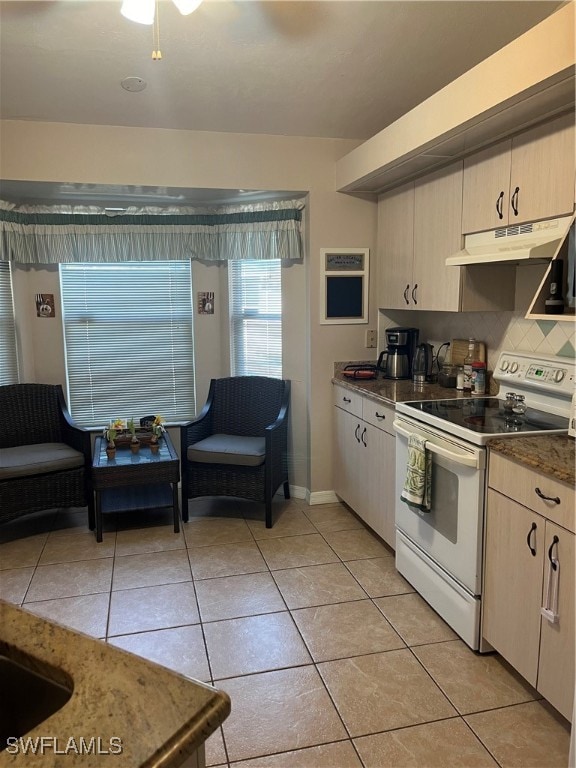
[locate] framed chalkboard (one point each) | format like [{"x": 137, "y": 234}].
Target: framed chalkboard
[{"x": 344, "y": 285}]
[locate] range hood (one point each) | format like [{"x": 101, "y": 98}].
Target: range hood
[{"x": 515, "y": 244}]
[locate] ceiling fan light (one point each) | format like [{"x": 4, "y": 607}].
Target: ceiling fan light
[
  {"x": 187, "y": 6},
  {"x": 141, "y": 11}
]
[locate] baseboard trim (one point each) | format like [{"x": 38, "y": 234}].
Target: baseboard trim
[
  {"x": 318, "y": 497},
  {"x": 297, "y": 492},
  {"x": 322, "y": 497}
]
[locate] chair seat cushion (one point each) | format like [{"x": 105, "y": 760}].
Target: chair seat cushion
[
  {"x": 38, "y": 459},
  {"x": 229, "y": 449}
]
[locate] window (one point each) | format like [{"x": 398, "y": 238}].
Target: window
[
  {"x": 255, "y": 317},
  {"x": 8, "y": 359},
  {"x": 128, "y": 340}
]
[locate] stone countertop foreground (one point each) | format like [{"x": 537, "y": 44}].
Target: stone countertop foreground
[
  {"x": 551, "y": 455},
  {"x": 159, "y": 716}
]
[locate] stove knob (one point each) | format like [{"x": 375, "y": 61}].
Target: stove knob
[
  {"x": 504, "y": 365},
  {"x": 514, "y": 367},
  {"x": 559, "y": 375}
]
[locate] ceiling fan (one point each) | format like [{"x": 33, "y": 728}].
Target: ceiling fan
[{"x": 142, "y": 11}]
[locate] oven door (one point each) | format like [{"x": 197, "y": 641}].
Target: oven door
[{"x": 451, "y": 533}]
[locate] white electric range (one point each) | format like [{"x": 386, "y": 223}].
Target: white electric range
[{"x": 440, "y": 551}]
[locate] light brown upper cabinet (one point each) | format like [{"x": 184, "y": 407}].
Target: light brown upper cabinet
[
  {"x": 419, "y": 225},
  {"x": 437, "y": 234},
  {"x": 396, "y": 247},
  {"x": 525, "y": 178}
]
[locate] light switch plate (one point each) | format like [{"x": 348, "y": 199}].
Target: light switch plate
[{"x": 371, "y": 336}]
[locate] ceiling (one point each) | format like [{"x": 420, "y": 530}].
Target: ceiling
[{"x": 334, "y": 68}]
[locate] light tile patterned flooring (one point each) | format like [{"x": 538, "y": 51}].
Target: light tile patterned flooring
[{"x": 330, "y": 658}]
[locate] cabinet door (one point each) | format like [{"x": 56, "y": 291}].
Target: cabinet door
[
  {"x": 395, "y": 247},
  {"x": 543, "y": 171},
  {"x": 347, "y": 457},
  {"x": 380, "y": 467},
  {"x": 437, "y": 234},
  {"x": 486, "y": 183},
  {"x": 513, "y": 583},
  {"x": 556, "y": 670}
]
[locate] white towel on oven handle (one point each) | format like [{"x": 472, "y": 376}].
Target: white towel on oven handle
[{"x": 417, "y": 491}]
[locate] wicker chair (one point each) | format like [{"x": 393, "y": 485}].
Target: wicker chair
[
  {"x": 237, "y": 446},
  {"x": 45, "y": 460}
]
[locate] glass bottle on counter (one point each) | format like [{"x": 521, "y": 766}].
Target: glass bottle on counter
[
  {"x": 478, "y": 377},
  {"x": 468, "y": 360}
]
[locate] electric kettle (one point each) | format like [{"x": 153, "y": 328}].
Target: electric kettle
[{"x": 422, "y": 364}]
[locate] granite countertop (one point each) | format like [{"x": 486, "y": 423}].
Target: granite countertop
[
  {"x": 161, "y": 717},
  {"x": 551, "y": 455},
  {"x": 393, "y": 391}
]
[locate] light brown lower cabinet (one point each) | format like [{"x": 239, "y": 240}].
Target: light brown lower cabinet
[{"x": 528, "y": 612}]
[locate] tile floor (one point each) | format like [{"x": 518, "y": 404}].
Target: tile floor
[{"x": 330, "y": 658}]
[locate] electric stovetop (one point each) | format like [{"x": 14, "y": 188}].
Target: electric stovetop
[{"x": 487, "y": 416}]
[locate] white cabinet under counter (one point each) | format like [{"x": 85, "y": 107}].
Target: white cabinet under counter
[{"x": 364, "y": 458}]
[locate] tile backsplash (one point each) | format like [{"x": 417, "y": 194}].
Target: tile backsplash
[{"x": 498, "y": 330}]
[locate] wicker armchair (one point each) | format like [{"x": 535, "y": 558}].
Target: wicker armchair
[
  {"x": 45, "y": 460},
  {"x": 237, "y": 446}
]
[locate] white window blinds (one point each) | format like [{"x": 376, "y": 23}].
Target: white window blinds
[
  {"x": 128, "y": 340},
  {"x": 8, "y": 359},
  {"x": 255, "y": 317}
]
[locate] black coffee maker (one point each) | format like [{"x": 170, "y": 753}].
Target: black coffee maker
[{"x": 396, "y": 360}]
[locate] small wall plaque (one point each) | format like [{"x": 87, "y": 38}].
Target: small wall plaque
[
  {"x": 45, "y": 305},
  {"x": 205, "y": 303}
]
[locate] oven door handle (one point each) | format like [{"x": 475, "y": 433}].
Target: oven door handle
[{"x": 457, "y": 458}]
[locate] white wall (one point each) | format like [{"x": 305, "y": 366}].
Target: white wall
[{"x": 93, "y": 154}]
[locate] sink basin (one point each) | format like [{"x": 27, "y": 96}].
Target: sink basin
[{"x": 28, "y": 697}]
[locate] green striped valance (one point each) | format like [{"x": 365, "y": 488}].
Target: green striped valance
[{"x": 40, "y": 237}]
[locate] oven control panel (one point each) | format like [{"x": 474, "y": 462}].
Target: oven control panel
[{"x": 544, "y": 372}]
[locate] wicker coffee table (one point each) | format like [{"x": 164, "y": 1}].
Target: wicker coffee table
[{"x": 140, "y": 481}]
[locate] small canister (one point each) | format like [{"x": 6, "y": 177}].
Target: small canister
[
  {"x": 460, "y": 378},
  {"x": 447, "y": 376},
  {"x": 479, "y": 378}
]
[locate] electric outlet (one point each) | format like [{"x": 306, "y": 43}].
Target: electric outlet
[{"x": 370, "y": 339}]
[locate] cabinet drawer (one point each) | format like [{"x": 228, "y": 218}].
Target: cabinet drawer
[
  {"x": 378, "y": 414},
  {"x": 520, "y": 483},
  {"x": 347, "y": 400}
]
